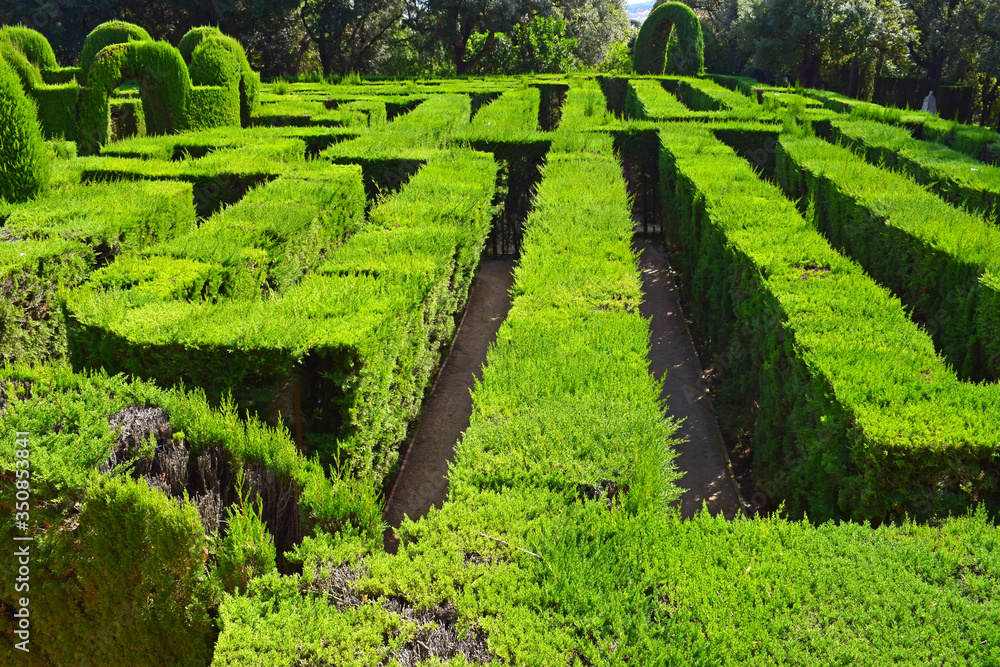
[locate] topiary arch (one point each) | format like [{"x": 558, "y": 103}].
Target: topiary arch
[
  {"x": 650, "y": 52},
  {"x": 164, "y": 84},
  {"x": 106, "y": 34}
]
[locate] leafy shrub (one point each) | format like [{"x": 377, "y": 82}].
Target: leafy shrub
[
  {"x": 24, "y": 163},
  {"x": 247, "y": 551}
]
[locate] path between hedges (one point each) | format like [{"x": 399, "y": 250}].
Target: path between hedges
[
  {"x": 422, "y": 481},
  {"x": 702, "y": 458}
]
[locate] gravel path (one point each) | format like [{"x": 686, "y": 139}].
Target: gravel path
[
  {"x": 703, "y": 460},
  {"x": 422, "y": 481}
]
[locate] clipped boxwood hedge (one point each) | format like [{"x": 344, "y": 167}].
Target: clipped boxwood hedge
[
  {"x": 32, "y": 44},
  {"x": 249, "y": 85}
]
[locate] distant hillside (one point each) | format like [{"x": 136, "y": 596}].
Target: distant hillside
[{"x": 638, "y": 11}]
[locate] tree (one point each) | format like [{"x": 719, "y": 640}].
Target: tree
[
  {"x": 865, "y": 36},
  {"x": 595, "y": 25},
  {"x": 539, "y": 46},
  {"x": 785, "y": 37},
  {"x": 349, "y": 33},
  {"x": 455, "y": 22}
]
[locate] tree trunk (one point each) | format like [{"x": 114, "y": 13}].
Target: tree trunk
[
  {"x": 464, "y": 67},
  {"x": 854, "y": 83},
  {"x": 303, "y": 50},
  {"x": 325, "y": 56}
]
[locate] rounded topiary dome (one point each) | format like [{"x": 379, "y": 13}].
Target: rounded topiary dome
[
  {"x": 649, "y": 54},
  {"x": 112, "y": 32},
  {"x": 23, "y": 154},
  {"x": 249, "y": 80},
  {"x": 32, "y": 44},
  {"x": 190, "y": 41},
  {"x": 213, "y": 64}
]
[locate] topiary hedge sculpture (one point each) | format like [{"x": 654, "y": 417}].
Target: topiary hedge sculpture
[
  {"x": 23, "y": 155},
  {"x": 163, "y": 80},
  {"x": 686, "y": 58},
  {"x": 106, "y": 34},
  {"x": 249, "y": 84},
  {"x": 215, "y": 74}
]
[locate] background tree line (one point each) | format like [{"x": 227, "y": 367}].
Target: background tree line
[{"x": 845, "y": 45}]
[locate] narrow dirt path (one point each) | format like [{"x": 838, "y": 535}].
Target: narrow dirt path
[
  {"x": 702, "y": 459},
  {"x": 421, "y": 482}
]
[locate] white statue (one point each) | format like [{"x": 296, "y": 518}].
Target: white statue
[{"x": 930, "y": 104}]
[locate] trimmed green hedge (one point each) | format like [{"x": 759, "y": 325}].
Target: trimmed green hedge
[
  {"x": 57, "y": 241},
  {"x": 57, "y": 107},
  {"x": 130, "y": 486},
  {"x": 953, "y": 175},
  {"x": 164, "y": 80},
  {"x": 976, "y": 142},
  {"x": 268, "y": 294},
  {"x": 850, "y": 410},
  {"x": 25, "y": 70},
  {"x": 670, "y": 22},
  {"x": 32, "y": 44},
  {"x": 647, "y": 99},
  {"x": 706, "y": 95},
  {"x": 201, "y": 143},
  {"x": 106, "y": 34},
  {"x": 932, "y": 255},
  {"x": 24, "y": 159}
]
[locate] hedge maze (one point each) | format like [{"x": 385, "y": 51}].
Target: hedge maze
[{"x": 224, "y": 303}]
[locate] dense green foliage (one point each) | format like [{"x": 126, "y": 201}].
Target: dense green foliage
[
  {"x": 124, "y": 557},
  {"x": 248, "y": 80},
  {"x": 215, "y": 93},
  {"x": 165, "y": 84},
  {"x": 672, "y": 20},
  {"x": 955, "y": 176},
  {"x": 23, "y": 156},
  {"x": 566, "y": 410}
]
